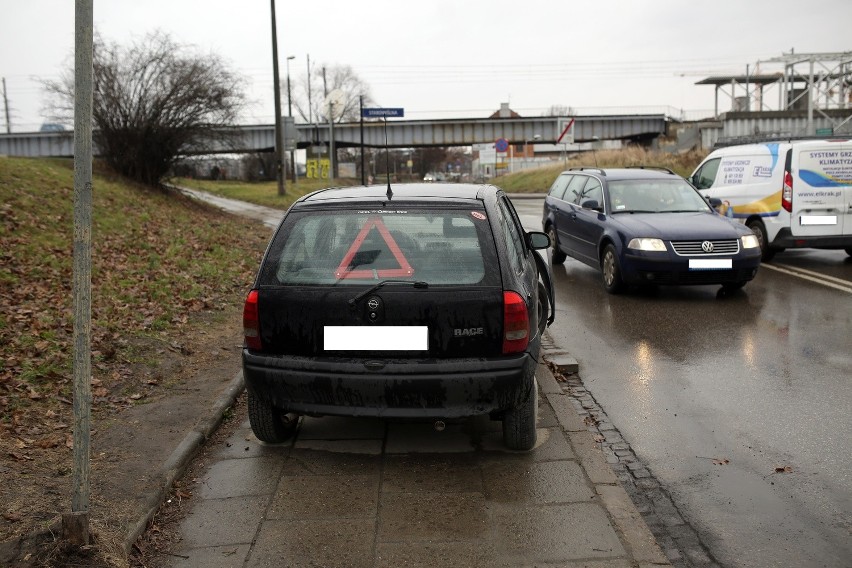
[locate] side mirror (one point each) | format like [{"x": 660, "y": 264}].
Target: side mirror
[
  {"x": 714, "y": 202},
  {"x": 592, "y": 204},
  {"x": 538, "y": 241}
]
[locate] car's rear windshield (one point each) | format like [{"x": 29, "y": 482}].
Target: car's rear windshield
[{"x": 354, "y": 247}]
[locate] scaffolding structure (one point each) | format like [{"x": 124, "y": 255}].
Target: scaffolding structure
[{"x": 815, "y": 83}]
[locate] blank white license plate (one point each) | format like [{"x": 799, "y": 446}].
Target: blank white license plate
[
  {"x": 710, "y": 264},
  {"x": 818, "y": 219},
  {"x": 376, "y": 338}
]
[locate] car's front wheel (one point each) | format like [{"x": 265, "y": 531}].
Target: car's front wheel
[
  {"x": 268, "y": 423},
  {"x": 759, "y": 230},
  {"x": 557, "y": 256},
  {"x": 611, "y": 270},
  {"x": 519, "y": 423}
]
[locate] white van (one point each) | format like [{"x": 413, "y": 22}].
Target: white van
[{"x": 792, "y": 194}]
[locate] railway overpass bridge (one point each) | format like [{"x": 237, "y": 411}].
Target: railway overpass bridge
[{"x": 399, "y": 133}]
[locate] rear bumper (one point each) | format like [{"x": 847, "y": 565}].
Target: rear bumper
[
  {"x": 673, "y": 270},
  {"x": 785, "y": 239},
  {"x": 390, "y": 388}
]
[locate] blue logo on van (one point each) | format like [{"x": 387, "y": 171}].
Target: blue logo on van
[{"x": 773, "y": 151}]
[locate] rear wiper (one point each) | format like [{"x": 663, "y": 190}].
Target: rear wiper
[{"x": 371, "y": 289}]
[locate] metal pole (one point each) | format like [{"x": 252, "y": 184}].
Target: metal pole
[
  {"x": 811, "y": 100},
  {"x": 331, "y": 149},
  {"x": 290, "y": 114},
  {"x": 75, "y": 525},
  {"x": 310, "y": 104},
  {"x": 361, "y": 113},
  {"x": 279, "y": 138},
  {"x": 6, "y": 106}
]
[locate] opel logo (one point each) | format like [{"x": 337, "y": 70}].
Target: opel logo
[
  {"x": 373, "y": 303},
  {"x": 707, "y": 246}
]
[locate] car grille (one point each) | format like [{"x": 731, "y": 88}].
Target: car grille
[{"x": 694, "y": 248}]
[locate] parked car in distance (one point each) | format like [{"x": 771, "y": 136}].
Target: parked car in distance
[
  {"x": 791, "y": 193},
  {"x": 646, "y": 226},
  {"x": 422, "y": 301}
]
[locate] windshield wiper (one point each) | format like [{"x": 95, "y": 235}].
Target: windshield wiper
[
  {"x": 634, "y": 211},
  {"x": 371, "y": 289}
]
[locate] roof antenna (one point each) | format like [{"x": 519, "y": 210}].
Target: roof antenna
[{"x": 387, "y": 161}]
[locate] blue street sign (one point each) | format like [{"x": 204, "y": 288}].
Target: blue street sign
[
  {"x": 382, "y": 112},
  {"x": 501, "y": 145}
]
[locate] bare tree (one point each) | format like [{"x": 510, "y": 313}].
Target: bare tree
[
  {"x": 559, "y": 110},
  {"x": 323, "y": 80},
  {"x": 154, "y": 101}
]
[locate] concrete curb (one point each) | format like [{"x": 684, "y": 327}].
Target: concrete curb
[
  {"x": 637, "y": 538},
  {"x": 175, "y": 466}
]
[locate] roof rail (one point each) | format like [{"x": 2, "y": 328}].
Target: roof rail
[
  {"x": 773, "y": 137},
  {"x": 661, "y": 168},
  {"x": 590, "y": 168}
]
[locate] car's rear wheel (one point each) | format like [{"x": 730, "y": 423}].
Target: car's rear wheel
[
  {"x": 611, "y": 271},
  {"x": 543, "y": 308},
  {"x": 268, "y": 423},
  {"x": 519, "y": 423},
  {"x": 557, "y": 256},
  {"x": 849, "y": 251},
  {"x": 732, "y": 286},
  {"x": 759, "y": 229}
]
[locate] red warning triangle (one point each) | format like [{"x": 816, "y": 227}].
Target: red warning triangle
[{"x": 405, "y": 269}]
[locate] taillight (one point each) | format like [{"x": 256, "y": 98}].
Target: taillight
[
  {"x": 787, "y": 192},
  {"x": 251, "y": 323},
  {"x": 516, "y": 323}
]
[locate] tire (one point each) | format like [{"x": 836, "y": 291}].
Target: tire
[
  {"x": 849, "y": 251},
  {"x": 557, "y": 256},
  {"x": 611, "y": 270},
  {"x": 519, "y": 423},
  {"x": 543, "y": 309},
  {"x": 759, "y": 229},
  {"x": 268, "y": 423},
  {"x": 733, "y": 286}
]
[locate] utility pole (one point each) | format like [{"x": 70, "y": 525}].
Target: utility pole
[
  {"x": 6, "y": 106},
  {"x": 279, "y": 136},
  {"x": 75, "y": 525},
  {"x": 290, "y": 114}
]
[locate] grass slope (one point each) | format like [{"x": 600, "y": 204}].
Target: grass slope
[{"x": 165, "y": 268}]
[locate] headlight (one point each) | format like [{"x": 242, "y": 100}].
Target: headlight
[
  {"x": 647, "y": 244},
  {"x": 750, "y": 242}
]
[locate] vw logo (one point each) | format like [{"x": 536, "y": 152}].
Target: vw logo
[
  {"x": 373, "y": 303},
  {"x": 707, "y": 246}
]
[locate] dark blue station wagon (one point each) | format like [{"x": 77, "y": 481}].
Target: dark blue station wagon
[{"x": 646, "y": 226}]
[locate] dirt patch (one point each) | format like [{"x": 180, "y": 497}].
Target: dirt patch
[{"x": 178, "y": 386}]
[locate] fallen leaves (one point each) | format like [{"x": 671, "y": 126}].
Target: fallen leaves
[
  {"x": 783, "y": 469},
  {"x": 716, "y": 461}
]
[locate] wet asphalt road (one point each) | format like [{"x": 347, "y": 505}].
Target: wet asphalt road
[{"x": 762, "y": 379}]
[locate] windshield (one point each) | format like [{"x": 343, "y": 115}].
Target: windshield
[
  {"x": 357, "y": 247},
  {"x": 655, "y": 196}
]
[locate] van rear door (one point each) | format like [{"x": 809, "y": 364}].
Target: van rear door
[{"x": 822, "y": 189}]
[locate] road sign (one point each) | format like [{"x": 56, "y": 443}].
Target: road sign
[
  {"x": 566, "y": 137},
  {"x": 382, "y": 112},
  {"x": 824, "y": 131},
  {"x": 501, "y": 145}
]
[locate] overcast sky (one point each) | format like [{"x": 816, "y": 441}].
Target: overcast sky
[{"x": 442, "y": 59}]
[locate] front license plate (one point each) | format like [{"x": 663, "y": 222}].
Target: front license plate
[
  {"x": 710, "y": 264},
  {"x": 376, "y": 338}
]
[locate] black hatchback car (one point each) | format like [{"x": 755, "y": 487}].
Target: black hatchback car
[
  {"x": 422, "y": 301},
  {"x": 646, "y": 226}
]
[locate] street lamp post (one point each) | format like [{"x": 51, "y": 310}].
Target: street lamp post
[
  {"x": 279, "y": 137},
  {"x": 290, "y": 114}
]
